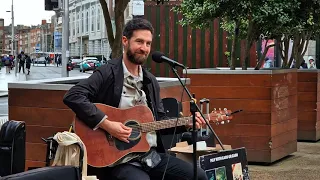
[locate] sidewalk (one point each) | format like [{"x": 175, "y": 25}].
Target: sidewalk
[{"x": 5, "y": 78}]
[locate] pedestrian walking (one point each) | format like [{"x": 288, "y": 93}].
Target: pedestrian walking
[
  {"x": 7, "y": 63},
  {"x": 28, "y": 64},
  {"x": 22, "y": 60}
]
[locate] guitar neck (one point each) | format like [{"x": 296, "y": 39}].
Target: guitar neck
[{"x": 165, "y": 124}]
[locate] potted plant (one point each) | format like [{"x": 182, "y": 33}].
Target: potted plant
[{"x": 268, "y": 96}]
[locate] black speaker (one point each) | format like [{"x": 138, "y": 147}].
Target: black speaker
[
  {"x": 12, "y": 147},
  {"x": 172, "y": 108},
  {"x": 47, "y": 173}
]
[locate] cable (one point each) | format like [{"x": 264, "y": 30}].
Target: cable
[{"x": 175, "y": 128}]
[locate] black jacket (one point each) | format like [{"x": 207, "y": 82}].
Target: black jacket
[{"x": 105, "y": 86}]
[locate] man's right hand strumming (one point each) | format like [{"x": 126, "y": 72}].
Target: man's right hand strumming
[{"x": 117, "y": 130}]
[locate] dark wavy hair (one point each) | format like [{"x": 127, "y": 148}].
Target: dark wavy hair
[{"x": 136, "y": 24}]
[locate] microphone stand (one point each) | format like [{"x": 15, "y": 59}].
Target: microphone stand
[{"x": 193, "y": 109}]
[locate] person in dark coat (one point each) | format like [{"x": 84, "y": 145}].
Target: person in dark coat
[
  {"x": 28, "y": 64},
  {"x": 123, "y": 83}
]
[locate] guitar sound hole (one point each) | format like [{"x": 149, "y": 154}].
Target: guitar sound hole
[
  {"x": 134, "y": 138},
  {"x": 135, "y": 134}
]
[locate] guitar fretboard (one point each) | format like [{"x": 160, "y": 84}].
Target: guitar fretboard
[{"x": 164, "y": 124}]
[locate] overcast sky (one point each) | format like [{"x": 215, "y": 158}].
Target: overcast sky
[{"x": 26, "y": 12}]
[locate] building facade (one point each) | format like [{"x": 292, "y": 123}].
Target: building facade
[
  {"x": 35, "y": 38},
  {"x": 57, "y": 33},
  {"x": 2, "y": 37},
  {"x": 87, "y": 30}
]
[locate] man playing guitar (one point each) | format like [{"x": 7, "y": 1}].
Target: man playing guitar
[{"x": 123, "y": 83}]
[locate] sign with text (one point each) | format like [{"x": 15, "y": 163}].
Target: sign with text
[{"x": 226, "y": 165}]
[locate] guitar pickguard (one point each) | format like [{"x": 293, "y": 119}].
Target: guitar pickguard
[
  {"x": 120, "y": 145},
  {"x": 134, "y": 138}
]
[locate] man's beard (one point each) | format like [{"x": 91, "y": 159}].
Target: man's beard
[{"x": 134, "y": 58}]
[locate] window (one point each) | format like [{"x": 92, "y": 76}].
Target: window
[
  {"x": 92, "y": 19},
  {"x": 78, "y": 19},
  {"x": 98, "y": 19},
  {"x": 70, "y": 25},
  {"x": 87, "y": 23},
  {"x": 82, "y": 23},
  {"x": 74, "y": 23}
]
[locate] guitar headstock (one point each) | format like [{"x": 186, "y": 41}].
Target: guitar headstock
[{"x": 220, "y": 116}]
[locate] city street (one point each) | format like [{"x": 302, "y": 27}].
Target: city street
[{"x": 37, "y": 72}]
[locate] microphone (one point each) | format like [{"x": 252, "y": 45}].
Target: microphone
[{"x": 159, "y": 57}]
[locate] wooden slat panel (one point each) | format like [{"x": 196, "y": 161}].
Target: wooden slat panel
[
  {"x": 304, "y": 116},
  {"x": 36, "y": 98},
  {"x": 259, "y": 143},
  {"x": 252, "y": 118},
  {"x": 307, "y": 126},
  {"x": 232, "y": 129},
  {"x": 309, "y": 135},
  {"x": 248, "y": 105},
  {"x": 242, "y": 130},
  {"x": 283, "y": 115},
  {"x": 34, "y": 164},
  {"x": 173, "y": 91},
  {"x": 307, "y": 106},
  {"x": 283, "y": 151},
  {"x": 269, "y": 157},
  {"x": 216, "y": 42},
  {"x": 232, "y": 93},
  {"x": 284, "y": 138},
  {"x": 254, "y": 155},
  {"x": 35, "y": 133},
  {"x": 230, "y": 80},
  {"x": 284, "y": 79},
  {"x": 36, "y": 152},
  {"x": 307, "y": 77},
  {"x": 282, "y": 127},
  {"x": 307, "y": 87},
  {"x": 283, "y": 91},
  {"x": 284, "y": 103},
  {"x": 307, "y": 96},
  {"x": 42, "y": 116}
]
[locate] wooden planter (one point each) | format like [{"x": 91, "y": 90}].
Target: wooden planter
[
  {"x": 40, "y": 105},
  {"x": 308, "y": 109},
  {"x": 267, "y": 127}
]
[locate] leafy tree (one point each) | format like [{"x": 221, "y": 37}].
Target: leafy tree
[
  {"x": 303, "y": 28},
  {"x": 246, "y": 19},
  {"x": 115, "y": 38}
]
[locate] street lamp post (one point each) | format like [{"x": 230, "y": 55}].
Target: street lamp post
[
  {"x": 12, "y": 29},
  {"x": 81, "y": 24},
  {"x": 65, "y": 38},
  {"x": 12, "y": 35}
]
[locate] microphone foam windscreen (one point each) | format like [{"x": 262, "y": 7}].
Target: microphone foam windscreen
[{"x": 156, "y": 56}]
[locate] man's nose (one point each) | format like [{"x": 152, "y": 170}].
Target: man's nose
[{"x": 144, "y": 47}]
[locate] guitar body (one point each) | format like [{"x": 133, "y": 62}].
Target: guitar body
[{"x": 104, "y": 150}]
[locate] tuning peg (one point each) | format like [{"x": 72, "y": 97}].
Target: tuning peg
[
  {"x": 228, "y": 121},
  {"x": 222, "y": 122},
  {"x": 225, "y": 109},
  {"x": 219, "y": 109}
]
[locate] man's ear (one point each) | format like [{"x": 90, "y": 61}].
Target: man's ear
[{"x": 124, "y": 41}]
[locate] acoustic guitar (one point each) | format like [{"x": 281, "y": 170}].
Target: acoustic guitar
[{"x": 104, "y": 150}]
